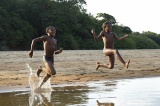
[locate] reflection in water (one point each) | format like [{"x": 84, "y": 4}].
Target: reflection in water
[
  {"x": 39, "y": 96},
  {"x": 14, "y": 99},
  {"x": 104, "y": 104},
  {"x": 128, "y": 92},
  {"x": 70, "y": 95},
  {"x": 62, "y": 95}
]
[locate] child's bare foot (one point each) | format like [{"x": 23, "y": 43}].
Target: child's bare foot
[
  {"x": 39, "y": 70},
  {"x": 98, "y": 65},
  {"x": 127, "y": 64}
]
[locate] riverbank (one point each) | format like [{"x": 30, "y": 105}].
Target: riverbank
[{"x": 77, "y": 66}]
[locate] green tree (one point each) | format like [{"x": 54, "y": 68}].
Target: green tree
[
  {"x": 14, "y": 32},
  {"x": 106, "y": 17},
  {"x": 155, "y": 37},
  {"x": 143, "y": 42}
]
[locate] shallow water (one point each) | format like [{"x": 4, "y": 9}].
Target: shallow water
[{"x": 128, "y": 92}]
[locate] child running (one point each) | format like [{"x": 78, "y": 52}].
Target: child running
[
  {"x": 108, "y": 39},
  {"x": 49, "y": 45}
]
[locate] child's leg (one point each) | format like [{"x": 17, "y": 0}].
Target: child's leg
[
  {"x": 111, "y": 63},
  {"x": 113, "y": 51},
  {"x": 126, "y": 64},
  {"x": 39, "y": 70},
  {"x": 45, "y": 79},
  {"x": 49, "y": 69}
]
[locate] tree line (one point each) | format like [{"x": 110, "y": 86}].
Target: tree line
[{"x": 23, "y": 20}]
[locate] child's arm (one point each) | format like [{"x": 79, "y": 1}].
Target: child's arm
[
  {"x": 58, "y": 51},
  {"x": 33, "y": 44},
  {"x": 120, "y": 38},
  {"x": 96, "y": 38}
]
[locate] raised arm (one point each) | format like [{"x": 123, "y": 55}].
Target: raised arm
[
  {"x": 96, "y": 38},
  {"x": 42, "y": 38},
  {"x": 120, "y": 38}
]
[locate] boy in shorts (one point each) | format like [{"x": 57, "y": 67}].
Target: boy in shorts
[{"x": 49, "y": 44}]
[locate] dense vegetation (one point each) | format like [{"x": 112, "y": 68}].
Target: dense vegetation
[{"x": 23, "y": 20}]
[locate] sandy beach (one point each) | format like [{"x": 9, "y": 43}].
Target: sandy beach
[{"x": 77, "y": 66}]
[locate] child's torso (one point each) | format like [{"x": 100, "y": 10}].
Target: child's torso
[
  {"x": 108, "y": 40},
  {"x": 49, "y": 46}
]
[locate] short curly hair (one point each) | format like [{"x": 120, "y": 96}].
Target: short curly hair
[
  {"x": 49, "y": 27},
  {"x": 104, "y": 24}
]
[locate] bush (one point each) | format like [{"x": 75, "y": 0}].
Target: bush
[
  {"x": 143, "y": 42},
  {"x": 68, "y": 42},
  {"x": 126, "y": 44}
]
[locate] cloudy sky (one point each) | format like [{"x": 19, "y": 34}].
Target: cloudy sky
[{"x": 139, "y": 15}]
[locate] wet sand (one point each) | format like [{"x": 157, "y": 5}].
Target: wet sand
[{"x": 77, "y": 66}]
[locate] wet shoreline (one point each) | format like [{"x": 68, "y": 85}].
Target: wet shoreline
[{"x": 127, "y": 92}]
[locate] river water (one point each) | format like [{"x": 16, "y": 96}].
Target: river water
[{"x": 127, "y": 92}]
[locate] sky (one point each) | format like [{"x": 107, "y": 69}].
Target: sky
[{"x": 139, "y": 15}]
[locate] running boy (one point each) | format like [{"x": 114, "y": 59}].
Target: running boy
[
  {"x": 49, "y": 44},
  {"x": 108, "y": 39}
]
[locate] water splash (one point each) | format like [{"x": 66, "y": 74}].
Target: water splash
[
  {"x": 34, "y": 81},
  {"x": 38, "y": 96},
  {"x": 41, "y": 98}
]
